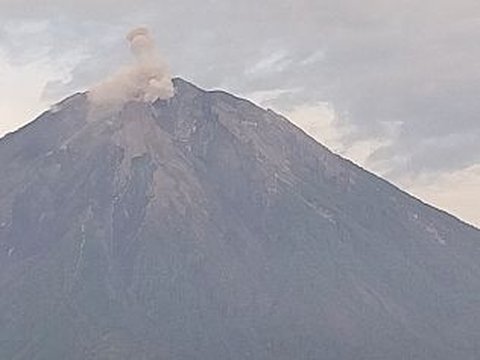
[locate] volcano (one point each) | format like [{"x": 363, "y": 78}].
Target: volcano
[{"x": 205, "y": 227}]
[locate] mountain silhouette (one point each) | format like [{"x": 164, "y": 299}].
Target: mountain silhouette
[{"x": 205, "y": 227}]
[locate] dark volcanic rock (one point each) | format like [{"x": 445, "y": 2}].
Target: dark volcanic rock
[{"x": 204, "y": 227}]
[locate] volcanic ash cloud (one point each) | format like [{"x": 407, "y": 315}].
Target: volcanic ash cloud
[{"x": 147, "y": 79}]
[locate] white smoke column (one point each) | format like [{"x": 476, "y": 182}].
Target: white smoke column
[{"x": 147, "y": 79}]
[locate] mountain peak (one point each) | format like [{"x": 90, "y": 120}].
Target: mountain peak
[{"x": 203, "y": 226}]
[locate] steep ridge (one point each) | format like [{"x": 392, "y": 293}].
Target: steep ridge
[{"x": 206, "y": 227}]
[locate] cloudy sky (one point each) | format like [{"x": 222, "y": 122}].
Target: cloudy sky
[{"x": 393, "y": 85}]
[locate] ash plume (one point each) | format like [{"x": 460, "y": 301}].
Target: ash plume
[{"x": 147, "y": 79}]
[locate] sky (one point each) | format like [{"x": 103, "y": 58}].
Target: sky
[{"x": 393, "y": 85}]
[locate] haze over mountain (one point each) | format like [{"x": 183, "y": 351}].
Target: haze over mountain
[{"x": 204, "y": 227}]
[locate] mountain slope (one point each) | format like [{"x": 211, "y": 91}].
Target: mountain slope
[{"x": 206, "y": 227}]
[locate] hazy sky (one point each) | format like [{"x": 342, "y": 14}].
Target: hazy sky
[{"x": 393, "y": 85}]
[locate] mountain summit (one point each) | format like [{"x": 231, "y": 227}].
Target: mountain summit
[{"x": 204, "y": 227}]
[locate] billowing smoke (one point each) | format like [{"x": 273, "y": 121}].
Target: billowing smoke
[{"x": 147, "y": 79}]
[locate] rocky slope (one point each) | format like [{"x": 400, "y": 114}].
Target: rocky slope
[{"x": 204, "y": 227}]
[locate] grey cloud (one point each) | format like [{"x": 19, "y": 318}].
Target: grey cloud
[{"x": 73, "y": 9}]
